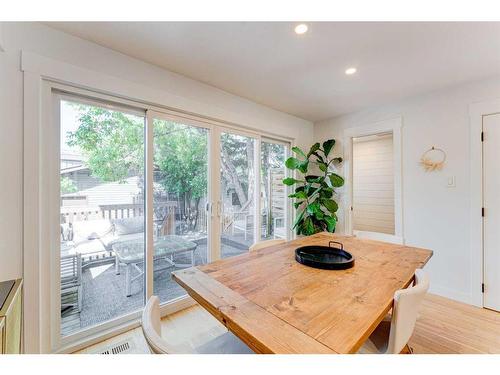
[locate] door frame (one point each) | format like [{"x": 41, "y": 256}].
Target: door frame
[
  {"x": 59, "y": 92},
  {"x": 196, "y": 122},
  {"x": 50, "y": 154},
  {"x": 289, "y": 212},
  {"x": 476, "y": 113},
  {"x": 394, "y": 126},
  {"x": 218, "y": 180}
]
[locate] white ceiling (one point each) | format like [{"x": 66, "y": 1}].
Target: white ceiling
[{"x": 304, "y": 74}]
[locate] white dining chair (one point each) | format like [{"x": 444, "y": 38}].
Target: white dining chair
[
  {"x": 263, "y": 244},
  {"x": 394, "y": 332},
  {"x": 226, "y": 343}
]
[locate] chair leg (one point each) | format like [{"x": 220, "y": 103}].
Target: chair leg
[
  {"x": 79, "y": 291},
  {"x": 407, "y": 349},
  {"x": 117, "y": 265},
  {"x": 128, "y": 280}
]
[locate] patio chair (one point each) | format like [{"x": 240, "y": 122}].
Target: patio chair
[
  {"x": 91, "y": 239},
  {"x": 242, "y": 221},
  {"x": 279, "y": 227},
  {"x": 71, "y": 279}
]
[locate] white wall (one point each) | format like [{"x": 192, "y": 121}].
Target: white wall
[
  {"x": 434, "y": 216},
  {"x": 184, "y": 93}
]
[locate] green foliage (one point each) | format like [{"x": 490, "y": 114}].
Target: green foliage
[
  {"x": 180, "y": 158},
  {"x": 111, "y": 141},
  {"x": 294, "y": 163},
  {"x": 316, "y": 210},
  {"x": 67, "y": 186},
  {"x": 113, "y": 144},
  {"x": 290, "y": 181}
]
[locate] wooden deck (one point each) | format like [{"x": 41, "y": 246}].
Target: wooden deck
[
  {"x": 97, "y": 308},
  {"x": 70, "y": 318}
]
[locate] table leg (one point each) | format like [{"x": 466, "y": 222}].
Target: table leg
[
  {"x": 128, "y": 279},
  {"x": 192, "y": 258},
  {"x": 117, "y": 265}
]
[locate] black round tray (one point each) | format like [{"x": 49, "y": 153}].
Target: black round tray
[{"x": 325, "y": 257}]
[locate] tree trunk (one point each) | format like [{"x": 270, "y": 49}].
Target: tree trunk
[
  {"x": 230, "y": 172},
  {"x": 197, "y": 213}
]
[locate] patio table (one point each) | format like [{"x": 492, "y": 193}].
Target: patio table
[{"x": 131, "y": 253}]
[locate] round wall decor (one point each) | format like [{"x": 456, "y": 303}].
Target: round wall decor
[{"x": 433, "y": 159}]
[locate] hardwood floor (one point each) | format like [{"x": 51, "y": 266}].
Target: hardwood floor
[
  {"x": 443, "y": 326},
  {"x": 193, "y": 326},
  {"x": 446, "y": 326}
]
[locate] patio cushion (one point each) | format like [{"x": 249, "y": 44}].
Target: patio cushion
[
  {"x": 89, "y": 247},
  {"x": 108, "y": 239},
  {"x": 129, "y": 225},
  {"x": 86, "y": 230}
]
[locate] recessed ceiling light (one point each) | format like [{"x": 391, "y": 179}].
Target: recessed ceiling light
[
  {"x": 350, "y": 71},
  {"x": 301, "y": 28}
]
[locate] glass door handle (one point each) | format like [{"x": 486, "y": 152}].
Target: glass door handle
[
  {"x": 219, "y": 208},
  {"x": 209, "y": 209}
]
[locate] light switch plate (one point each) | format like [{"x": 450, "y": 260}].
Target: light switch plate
[{"x": 450, "y": 182}]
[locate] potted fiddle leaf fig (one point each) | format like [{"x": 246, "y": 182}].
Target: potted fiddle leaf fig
[{"x": 314, "y": 194}]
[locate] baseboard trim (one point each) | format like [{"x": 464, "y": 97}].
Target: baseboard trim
[
  {"x": 452, "y": 294},
  {"x": 171, "y": 307},
  {"x": 99, "y": 337}
]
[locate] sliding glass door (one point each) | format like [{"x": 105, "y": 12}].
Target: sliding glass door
[
  {"x": 101, "y": 205},
  {"x": 144, "y": 193},
  {"x": 180, "y": 199},
  {"x": 273, "y": 202},
  {"x": 238, "y": 192}
]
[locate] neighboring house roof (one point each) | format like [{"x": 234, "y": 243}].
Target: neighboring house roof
[
  {"x": 110, "y": 192},
  {"x": 73, "y": 169},
  {"x": 71, "y": 155}
]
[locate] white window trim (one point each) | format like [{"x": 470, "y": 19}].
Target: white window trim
[
  {"x": 40, "y": 75},
  {"x": 393, "y": 125},
  {"x": 476, "y": 113},
  {"x": 2, "y": 41}
]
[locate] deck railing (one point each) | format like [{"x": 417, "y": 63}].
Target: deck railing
[{"x": 71, "y": 214}]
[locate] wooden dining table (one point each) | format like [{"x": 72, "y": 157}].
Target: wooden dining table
[{"x": 276, "y": 305}]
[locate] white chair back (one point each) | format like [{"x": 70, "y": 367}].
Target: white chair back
[
  {"x": 404, "y": 312},
  {"x": 151, "y": 326},
  {"x": 263, "y": 244}
]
